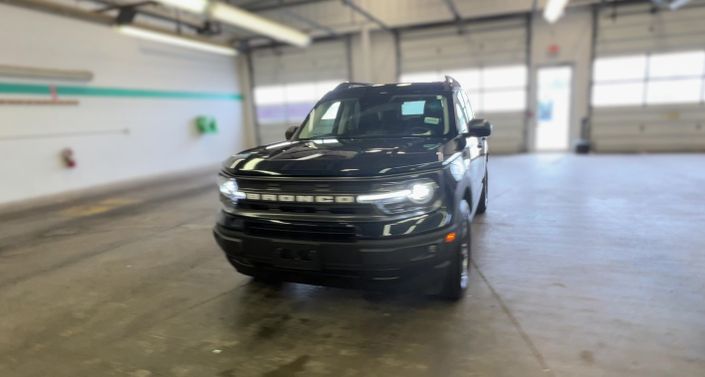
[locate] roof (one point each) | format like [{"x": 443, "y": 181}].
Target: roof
[{"x": 358, "y": 88}]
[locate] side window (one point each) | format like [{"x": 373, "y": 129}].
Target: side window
[
  {"x": 468, "y": 105},
  {"x": 461, "y": 117}
]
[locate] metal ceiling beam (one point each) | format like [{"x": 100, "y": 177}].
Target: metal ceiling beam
[
  {"x": 366, "y": 14},
  {"x": 261, "y": 6},
  {"x": 453, "y": 8},
  {"x": 127, "y": 5},
  {"x": 93, "y": 17},
  {"x": 310, "y": 22},
  {"x": 62, "y": 10},
  {"x": 147, "y": 13}
]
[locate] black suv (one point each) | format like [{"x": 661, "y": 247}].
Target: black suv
[{"x": 378, "y": 185}]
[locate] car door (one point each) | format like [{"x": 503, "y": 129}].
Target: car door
[{"x": 475, "y": 148}]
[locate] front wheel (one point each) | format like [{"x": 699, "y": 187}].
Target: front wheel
[{"x": 457, "y": 279}]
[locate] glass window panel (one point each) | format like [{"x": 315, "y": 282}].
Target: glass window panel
[
  {"x": 469, "y": 109},
  {"x": 618, "y": 94},
  {"x": 421, "y": 77},
  {"x": 460, "y": 116},
  {"x": 679, "y": 64},
  {"x": 461, "y": 113},
  {"x": 468, "y": 78},
  {"x": 332, "y": 111},
  {"x": 504, "y": 77},
  {"x": 267, "y": 95},
  {"x": 673, "y": 91},
  {"x": 504, "y": 100},
  {"x": 300, "y": 92},
  {"x": 274, "y": 113},
  {"x": 620, "y": 68}
]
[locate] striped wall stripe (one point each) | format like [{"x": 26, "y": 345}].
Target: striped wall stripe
[{"x": 95, "y": 91}]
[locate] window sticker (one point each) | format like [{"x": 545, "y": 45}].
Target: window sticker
[
  {"x": 412, "y": 107},
  {"x": 432, "y": 120}
]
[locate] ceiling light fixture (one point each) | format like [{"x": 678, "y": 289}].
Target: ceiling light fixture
[
  {"x": 554, "y": 10},
  {"x": 157, "y": 36},
  {"x": 243, "y": 19},
  {"x": 196, "y": 6}
]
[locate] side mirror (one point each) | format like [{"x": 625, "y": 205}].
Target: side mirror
[
  {"x": 290, "y": 132},
  {"x": 479, "y": 127}
]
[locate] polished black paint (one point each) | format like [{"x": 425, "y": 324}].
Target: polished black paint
[
  {"x": 343, "y": 157},
  {"x": 456, "y": 162},
  {"x": 479, "y": 127}
]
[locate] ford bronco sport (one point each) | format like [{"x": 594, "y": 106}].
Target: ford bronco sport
[{"x": 378, "y": 185}]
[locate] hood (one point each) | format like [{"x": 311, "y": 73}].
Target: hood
[{"x": 341, "y": 157}]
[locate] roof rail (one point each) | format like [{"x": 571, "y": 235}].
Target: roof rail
[
  {"x": 348, "y": 85},
  {"x": 452, "y": 81}
]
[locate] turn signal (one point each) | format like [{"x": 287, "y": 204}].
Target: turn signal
[{"x": 450, "y": 237}]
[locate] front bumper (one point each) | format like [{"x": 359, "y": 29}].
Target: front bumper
[{"x": 409, "y": 261}]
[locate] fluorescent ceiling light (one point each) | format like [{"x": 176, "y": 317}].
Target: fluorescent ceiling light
[
  {"x": 243, "y": 20},
  {"x": 554, "y": 10},
  {"x": 196, "y": 6},
  {"x": 260, "y": 25},
  {"x": 175, "y": 40}
]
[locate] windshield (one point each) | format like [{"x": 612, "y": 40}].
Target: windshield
[{"x": 378, "y": 116}]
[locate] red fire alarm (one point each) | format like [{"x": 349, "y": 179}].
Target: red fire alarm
[
  {"x": 67, "y": 158},
  {"x": 553, "y": 50}
]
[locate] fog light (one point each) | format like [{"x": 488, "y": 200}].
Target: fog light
[{"x": 450, "y": 237}]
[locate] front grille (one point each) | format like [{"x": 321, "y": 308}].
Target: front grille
[
  {"x": 318, "y": 208},
  {"x": 308, "y": 187},
  {"x": 335, "y": 232},
  {"x": 322, "y": 186},
  {"x": 305, "y": 186}
]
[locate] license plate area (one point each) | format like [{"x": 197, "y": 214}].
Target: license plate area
[{"x": 297, "y": 257}]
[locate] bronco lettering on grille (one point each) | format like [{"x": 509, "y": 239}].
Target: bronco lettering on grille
[{"x": 289, "y": 198}]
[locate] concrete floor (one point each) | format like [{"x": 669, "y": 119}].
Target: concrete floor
[{"x": 585, "y": 266}]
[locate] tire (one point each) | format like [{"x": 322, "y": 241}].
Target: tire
[
  {"x": 458, "y": 276},
  {"x": 482, "y": 205}
]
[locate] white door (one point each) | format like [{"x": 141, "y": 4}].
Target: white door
[{"x": 553, "y": 108}]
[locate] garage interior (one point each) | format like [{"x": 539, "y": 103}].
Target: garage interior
[{"x": 116, "y": 115}]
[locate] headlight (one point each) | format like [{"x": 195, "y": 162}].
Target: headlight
[
  {"x": 228, "y": 188},
  {"x": 418, "y": 192},
  {"x": 421, "y": 193}
]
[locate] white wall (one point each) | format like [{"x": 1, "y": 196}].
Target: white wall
[
  {"x": 160, "y": 136},
  {"x": 650, "y": 127},
  {"x": 383, "y": 58},
  {"x": 573, "y": 34}
]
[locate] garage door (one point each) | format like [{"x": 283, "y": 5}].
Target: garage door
[
  {"x": 289, "y": 81},
  {"x": 489, "y": 59},
  {"x": 649, "y": 79}
]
